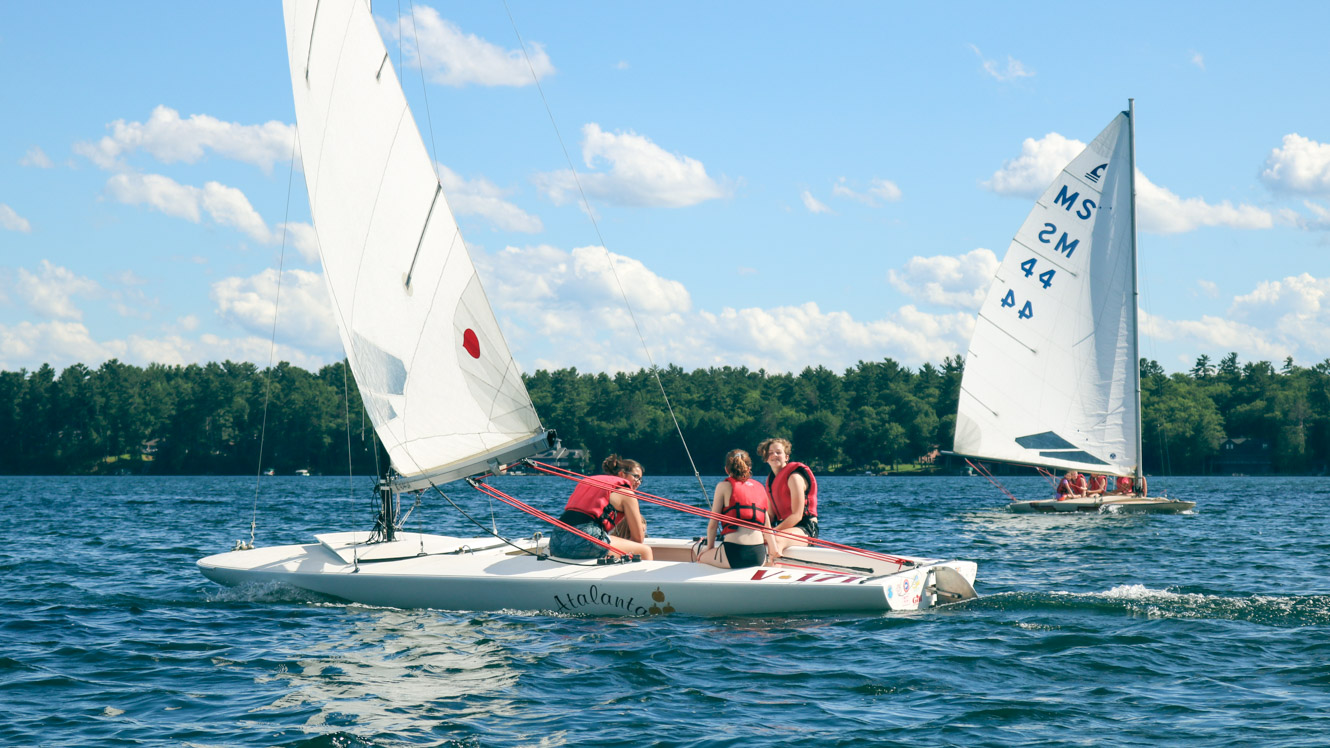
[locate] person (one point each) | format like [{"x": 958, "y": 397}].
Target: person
[
  {"x": 1098, "y": 485},
  {"x": 740, "y": 497},
  {"x": 1123, "y": 486},
  {"x": 1071, "y": 486},
  {"x": 597, "y": 506},
  {"x": 793, "y": 491}
]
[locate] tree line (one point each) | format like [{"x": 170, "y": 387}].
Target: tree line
[{"x": 212, "y": 419}]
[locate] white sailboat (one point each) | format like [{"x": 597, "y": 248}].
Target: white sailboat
[
  {"x": 448, "y": 402},
  {"x": 1052, "y": 375}
]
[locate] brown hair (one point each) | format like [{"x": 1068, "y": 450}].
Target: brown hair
[
  {"x": 614, "y": 464},
  {"x": 738, "y": 464},
  {"x": 765, "y": 446}
]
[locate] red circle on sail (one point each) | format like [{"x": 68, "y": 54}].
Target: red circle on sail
[{"x": 471, "y": 343}]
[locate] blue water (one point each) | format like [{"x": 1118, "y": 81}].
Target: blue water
[{"x": 1207, "y": 628}]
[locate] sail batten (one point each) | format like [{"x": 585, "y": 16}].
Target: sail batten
[
  {"x": 1055, "y": 348},
  {"x": 436, "y": 375}
]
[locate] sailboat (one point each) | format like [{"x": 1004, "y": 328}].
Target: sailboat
[
  {"x": 1052, "y": 375},
  {"x": 447, "y": 400}
]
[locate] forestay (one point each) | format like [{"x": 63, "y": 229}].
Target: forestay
[
  {"x": 1050, "y": 374},
  {"x": 435, "y": 373}
]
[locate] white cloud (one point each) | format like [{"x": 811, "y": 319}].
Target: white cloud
[
  {"x": 883, "y": 189},
  {"x": 188, "y": 322},
  {"x": 1198, "y": 59},
  {"x": 813, "y": 204},
  {"x": 944, "y": 280},
  {"x": 168, "y": 138},
  {"x": 31, "y": 344},
  {"x": 1162, "y": 212},
  {"x": 480, "y": 197},
  {"x": 453, "y": 58},
  {"x": 305, "y": 317},
  {"x": 1208, "y": 288},
  {"x": 226, "y": 206},
  {"x": 1159, "y": 210},
  {"x": 569, "y": 301},
  {"x": 641, "y": 173},
  {"x": 1216, "y": 333},
  {"x": 1014, "y": 69},
  {"x": 1299, "y": 165},
  {"x": 50, "y": 292},
  {"x": 36, "y": 157},
  {"x": 1030, "y": 173},
  {"x": 13, "y": 221}
]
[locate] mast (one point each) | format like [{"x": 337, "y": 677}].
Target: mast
[{"x": 1139, "y": 479}]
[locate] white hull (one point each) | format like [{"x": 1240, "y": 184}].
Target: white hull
[
  {"x": 493, "y": 576},
  {"x": 1104, "y": 504}
]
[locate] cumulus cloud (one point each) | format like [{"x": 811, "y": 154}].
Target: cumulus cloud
[
  {"x": 879, "y": 189},
  {"x": 1298, "y": 165},
  {"x": 944, "y": 280},
  {"x": 1030, "y": 173},
  {"x": 36, "y": 157},
  {"x": 226, "y": 206},
  {"x": 306, "y": 317},
  {"x": 1014, "y": 69},
  {"x": 480, "y": 197},
  {"x": 453, "y": 58},
  {"x": 1208, "y": 288},
  {"x": 813, "y": 204},
  {"x": 12, "y": 221},
  {"x": 51, "y": 290},
  {"x": 570, "y": 302},
  {"x": 61, "y": 344},
  {"x": 1159, "y": 210},
  {"x": 1212, "y": 333},
  {"x": 169, "y": 139},
  {"x": 641, "y": 173}
]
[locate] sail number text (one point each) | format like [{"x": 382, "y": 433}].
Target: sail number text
[{"x": 1064, "y": 245}]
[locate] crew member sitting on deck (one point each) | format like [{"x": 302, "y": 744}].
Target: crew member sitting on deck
[
  {"x": 1072, "y": 486},
  {"x": 1098, "y": 485},
  {"x": 1123, "y": 486},
  {"x": 740, "y": 497},
  {"x": 596, "y": 506},
  {"x": 793, "y": 491}
]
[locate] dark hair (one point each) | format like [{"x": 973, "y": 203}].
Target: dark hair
[
  {"x": 765, "y": 446},
  {"x": 614, "y": 464},
  {"x": 738, "y": 464}
]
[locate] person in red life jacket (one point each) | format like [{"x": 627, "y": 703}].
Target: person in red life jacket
[
  {"x": 793, "y": 491},
  {"x": 740, "y": 497},
  {"x": 597, "y": 505},
  {"x": 1098, "y": 485},
  {"x": 1123, "y": 486},
  {"x": 1066, "y": 487}
]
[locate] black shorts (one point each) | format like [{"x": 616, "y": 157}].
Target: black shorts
[
  {"x": 808, "y": 525},
  {"x": 744, "y": 556}
]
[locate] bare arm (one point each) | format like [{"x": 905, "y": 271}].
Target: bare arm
[
  {"x": 637, "y": 525},
  {"x": 798, "y": 497},
  {"x": 718, "y": 500}
]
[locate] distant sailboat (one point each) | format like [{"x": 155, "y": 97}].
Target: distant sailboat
[
  {"x": 1052, "y": 375},
  {"x": 448, "y": 402}
]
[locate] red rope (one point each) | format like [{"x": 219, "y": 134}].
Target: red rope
[
  {"x": 689, "y": 509},
  {"x": 979, "y": 468},
  {"x": 489, "y": 490}
]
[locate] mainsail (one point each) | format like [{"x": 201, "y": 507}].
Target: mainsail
[
  {"x": 1050, "y": 376},
  {"x": 436, "y": 376}
]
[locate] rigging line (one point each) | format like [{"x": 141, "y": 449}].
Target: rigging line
[
  {"x": 420, "y": 64},
  {"x": 655, "y": 371},
  {"x": 527, "y": 551},
  {"x": 681, "y": 507},
  {"x": 272, "y": 339}
]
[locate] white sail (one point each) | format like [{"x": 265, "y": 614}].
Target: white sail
[
  {"x": 1050, "y": 374},
  {"x": 434, "y": 371}
]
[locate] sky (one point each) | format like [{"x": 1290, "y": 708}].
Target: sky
[{"x": 780, "y": 185}]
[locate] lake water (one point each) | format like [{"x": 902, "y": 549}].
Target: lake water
[{"x": 1205, "y": 628}]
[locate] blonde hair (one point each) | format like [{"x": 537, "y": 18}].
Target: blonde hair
[
  {"x": 738, "y": 465},
  {"x": 765, "y": 446}
]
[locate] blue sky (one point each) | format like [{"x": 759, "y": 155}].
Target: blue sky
[{"x": 781, "y": 185}]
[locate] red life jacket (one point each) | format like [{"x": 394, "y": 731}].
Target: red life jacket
[
  {"x": 748, "y": 502},
  {"x": 779, "y": 487},
  {"x": 593, "y": 499},
  {"x": 1124, "y": 484},
  {"x": 1098, "y": 483}
]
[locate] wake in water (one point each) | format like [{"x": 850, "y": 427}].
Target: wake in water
[{"x": 1139, "y": 600}]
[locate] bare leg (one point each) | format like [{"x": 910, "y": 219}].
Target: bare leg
[
  {"x": 632, "y": 546},
  {"x": 783, "y": 543},
  {"x": 714, "y": 557}
]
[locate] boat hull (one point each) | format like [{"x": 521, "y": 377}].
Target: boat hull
[
  {"x": 475, "y": 574},
  {"x": 1103, "y": 504}
]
